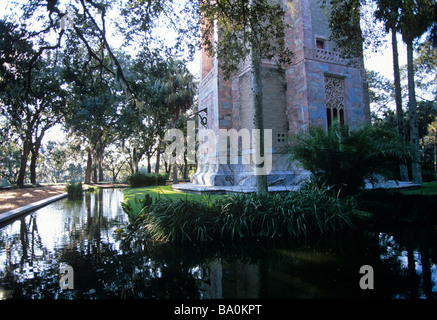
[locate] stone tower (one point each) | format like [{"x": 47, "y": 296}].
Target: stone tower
[{"x": 318, "y": 86}]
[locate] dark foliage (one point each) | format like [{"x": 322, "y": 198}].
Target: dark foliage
[{"x": 141, "y": 179}]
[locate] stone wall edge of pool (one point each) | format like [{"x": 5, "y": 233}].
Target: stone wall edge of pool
[{"x": 13, "y": 214}]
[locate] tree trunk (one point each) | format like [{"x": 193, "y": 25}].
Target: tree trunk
[
  {"x": 175, "y": 165},
  {"x": 33, "y": 161},
  {"x": 185, "y": 168},
  {"x": 134, "y": 161},
  {"x": 89, "y": 165},
  {"x": 100, "y": 150},
  {"x": 261, "y": 179},
  {"x": 403, "y": 169},
  {"x": 23, "y": 163},
  {"x": 175, "y": 174},
  {"x": 116, "y": 171},
  {"x": 149, "y": 166},
  {"x": 435, "y": 153},
  {"x": 131, "y": 163},
  {"x": 416, "y": 171},
  {"x": 158, "y": 156},
  {"x": 34, "y": 158},
  {"x": 95, "y": 174},
  {"x": 101, "y": 177},
  {"x": 114, "y": 176}
]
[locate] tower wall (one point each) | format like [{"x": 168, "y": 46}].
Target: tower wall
[{"x": 318, "y": 86}]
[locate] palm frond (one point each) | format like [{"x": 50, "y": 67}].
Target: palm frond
[{"x": 344, "y": 158}]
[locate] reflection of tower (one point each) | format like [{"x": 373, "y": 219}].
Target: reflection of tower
[
  {"x": 318, "y": 87},
  {"x": 242, "y": 281},
  {"x": 234, "y": 280},
  {"x": 211, "y": 285}
]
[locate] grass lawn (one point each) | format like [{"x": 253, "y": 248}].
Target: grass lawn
[
  {"x": 164, "y": 192},
  {"x": 428, "y": 188}
]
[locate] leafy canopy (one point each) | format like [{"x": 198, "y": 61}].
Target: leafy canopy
[{"x": 241, "y": 25}]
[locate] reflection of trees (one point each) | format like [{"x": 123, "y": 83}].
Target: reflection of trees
[
  {"x": 317, "y": 268},
  {"x": 32, "y": 271},
  {"x": 92, "y": 252},
  {"x": 107, "y": 268},
  {"x": 166, "y": 272},
  {"x": 29, "y": 265},
  {"x": 410, "y": 276},
  {"x": 428, "y": 252}
]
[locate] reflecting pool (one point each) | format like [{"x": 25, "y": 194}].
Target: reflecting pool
[{"x": 85, "y": 235}]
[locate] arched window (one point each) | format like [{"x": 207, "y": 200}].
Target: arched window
[{"x": 335, "y": 101}]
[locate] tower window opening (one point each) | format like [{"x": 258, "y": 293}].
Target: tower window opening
[
  {"x": 328, "y": 116},
  {"x": 335, "y": 100},
  {"x": 320, "y": 44},
  {"x": 341, "y": 118}
]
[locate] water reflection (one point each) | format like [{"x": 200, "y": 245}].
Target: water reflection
[
  {"x": 82, "y": 235},
  {"x": 77, "y": 233},
  {"x": 411, "y": 255}
]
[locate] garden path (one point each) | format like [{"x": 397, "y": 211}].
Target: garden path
[{"x": 14, "y": 198}]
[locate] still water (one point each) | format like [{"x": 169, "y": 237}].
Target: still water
[{"x": 83, "y": 234}]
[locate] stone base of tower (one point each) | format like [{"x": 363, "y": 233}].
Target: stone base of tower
[
  {"x": 286, "y": 176},
  {"x": 211, "y": 190},
  {"x": 206, "y": 190},
  {"x": 242, "y": 178}
]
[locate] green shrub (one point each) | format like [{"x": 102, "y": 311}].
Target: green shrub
[
  {"x": 310, "y": 210},
  {"x": 92, "y": 189},
  {"x": 161, "y": 178},
  {"x": 344, "y": 159},
  {"x": 74, "y": 190},
  {"x": 134, "y": 209},
  {"x": 141, "y": 179}
]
